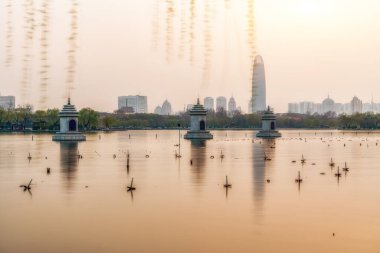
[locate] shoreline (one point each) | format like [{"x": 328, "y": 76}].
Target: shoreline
[{"x": 185, "y": 129}]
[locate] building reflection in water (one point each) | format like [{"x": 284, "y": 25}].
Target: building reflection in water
[
  {"x": 260, "y": 171},
  {"x": 69, "y": 162},
  {"x": 198, "y": 158}
]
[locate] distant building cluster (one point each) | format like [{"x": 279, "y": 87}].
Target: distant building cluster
[
  {"x": 328, "y": 105},
  {"x": 7, "y": 102},
  {"x": 220, "y": 105},
  {"x": 165, "y": 109},
  {"x": 133, "y": 104}
]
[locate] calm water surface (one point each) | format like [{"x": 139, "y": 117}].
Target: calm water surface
[{"x": 183, "y": 207}]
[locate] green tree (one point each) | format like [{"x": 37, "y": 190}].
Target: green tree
[
  {"x": 88, "y": 118},
  {"x": 52, "y": 118}
]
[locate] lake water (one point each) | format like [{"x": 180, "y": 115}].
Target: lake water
[{"x": 83, "y": 204}]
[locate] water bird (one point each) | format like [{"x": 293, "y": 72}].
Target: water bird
[
  {"x": 331, "y": 164},
  {"x": 345, "y": 167},
  {"x": 227, "y": 185},
  {"x": 191, "y": 162},
  {"x": 28, "y": 186},
  {"x": 212, "y": 157},
  {"x": 338, "y": 174},
  {"x": 130, "y": 187},
  {"x": 268, "y": 180},
  {"x": 294, "y": 161},
  {"x": 322, "y": 173},
  {"x": 48, "y": 170},
  {"x": 299, "y": 179}
]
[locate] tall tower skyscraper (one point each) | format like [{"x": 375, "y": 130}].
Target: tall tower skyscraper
[
  {"x": 209, "y": 103},
  {"x": 258, "y": 99},
  {"x": 221, "y": 103}
]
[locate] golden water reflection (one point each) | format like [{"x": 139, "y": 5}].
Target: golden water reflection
[{"x": 182, "y": 207}]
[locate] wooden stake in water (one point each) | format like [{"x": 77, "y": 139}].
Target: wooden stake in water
[
  {"x": 131, "y": 188},
  {"x": 227, "y": 185}
]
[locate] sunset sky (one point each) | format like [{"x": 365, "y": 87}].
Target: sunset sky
[{"x": 311, "y": 48}]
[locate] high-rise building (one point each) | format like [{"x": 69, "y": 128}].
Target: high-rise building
[
  {"x": 339, "y": 108},
  {"x": 138, "y": 103},
  {"x": 231, "y": 106},
  {"x": 347, "y": 108},
  {"x": 258, "y": 99},
  {"x": 209, "y": 103},
  {"x": 318, "y": 108},
  {"x": 7, "y": 102},
  {"x": 328, "y": 105},
  {"x": 158, "y": 110},
  {"x": 368, "y": 107},
  {"x": 356, "y": 105},
  {"x": 221, "y": 103},
  {"x": 306, "y": 107},
  {"x": 293, "y": 108},
  {"x": 166, "y": 108}
]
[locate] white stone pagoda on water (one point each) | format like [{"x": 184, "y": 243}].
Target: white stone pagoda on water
[
  {"x": 268, "y": 130},
  {"x": 198, "y": 124},
  {"x": 69, "y": 125}
]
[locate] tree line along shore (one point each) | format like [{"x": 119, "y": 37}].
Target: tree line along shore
[{"x": 24, "y": 119}]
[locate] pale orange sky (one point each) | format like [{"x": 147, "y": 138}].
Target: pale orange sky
[{"x": 310, "y": 48}]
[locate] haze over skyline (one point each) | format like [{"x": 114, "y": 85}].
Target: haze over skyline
[{"x": 310, "y": 49}]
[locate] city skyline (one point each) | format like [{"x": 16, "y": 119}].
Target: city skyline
[
  {"x": 317, "y": 40},
  {"x": 355, "y": 105}
]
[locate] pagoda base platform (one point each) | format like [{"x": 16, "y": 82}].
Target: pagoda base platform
[
  {"x": 268, "y": 134},
  {"x": 198, "y": 135},
  {"x": 74, "y": 136}
]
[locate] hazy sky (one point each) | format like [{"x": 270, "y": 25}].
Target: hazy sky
[{"x": 124, "y": 47}]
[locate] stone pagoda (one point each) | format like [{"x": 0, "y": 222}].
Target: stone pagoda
[
  {"x": 69, "y": 125},
  {"x": 198, "y": 124},
  {"x": 268, "y": 130}
]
